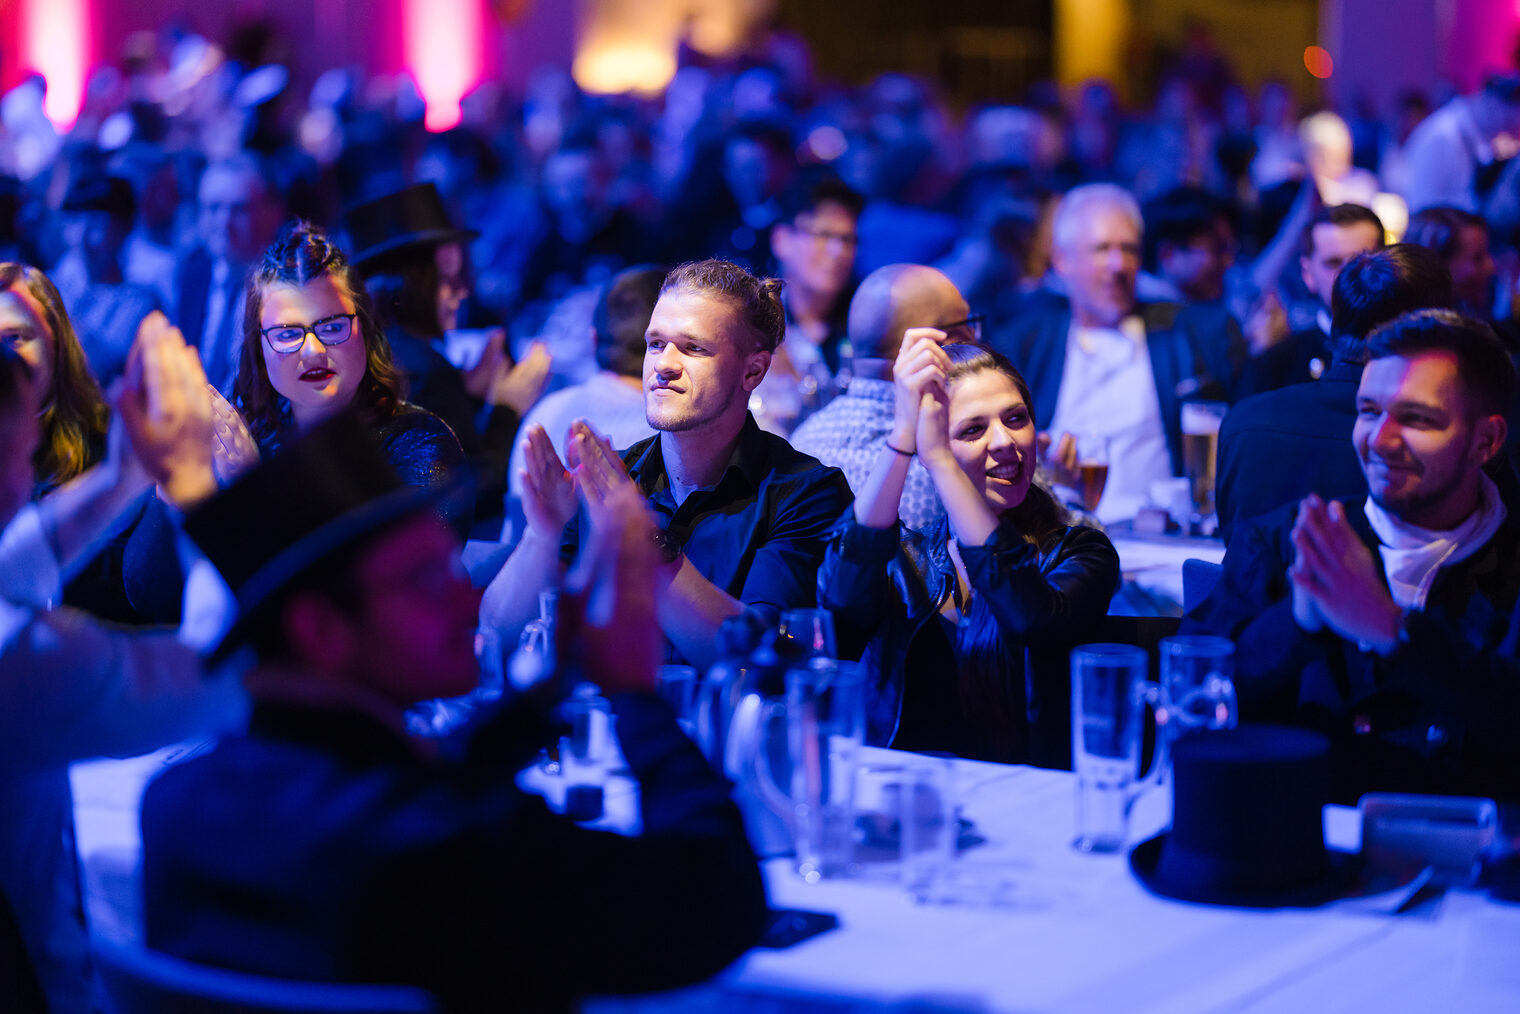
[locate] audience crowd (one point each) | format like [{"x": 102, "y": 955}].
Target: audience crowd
[{"x": 756, "y": 343}]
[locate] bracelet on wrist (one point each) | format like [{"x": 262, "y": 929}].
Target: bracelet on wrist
[{"x": 898, "y": 450}]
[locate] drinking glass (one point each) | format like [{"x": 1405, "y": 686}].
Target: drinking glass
[
  {"x": 678, "y": 685},
  {"x": 534, "y": 659},
  {"x": 1200, "y": 439},
  {"x": 1197, "y": 677},
  {"x": 1109, "y": 692},
  {"x": 812, "y": 628},
  {"x": 1092, "y": 468},
  {"x": 825, "y": 716}
]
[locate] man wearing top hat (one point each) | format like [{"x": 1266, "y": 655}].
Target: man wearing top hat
[
  {"x": 742, "y": 515},
  {"x": 412, "y": 257},
  {"x": 329, "y": 844},
  {"x": 1393, "y": 625}
]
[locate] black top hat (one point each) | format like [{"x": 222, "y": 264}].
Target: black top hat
[
  {"x": 95, "y": 192},
  {"x": 326, "y": 491},
  {"x": 413, "y": 217},
  {"x": 1247, "y": 822}
]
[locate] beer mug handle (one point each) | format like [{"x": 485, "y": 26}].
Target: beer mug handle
[
  {"x": 747, "y": 759},
  {"x": 1154, "y": 696}
]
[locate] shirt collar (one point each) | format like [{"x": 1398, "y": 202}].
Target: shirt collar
[{"x": 747, "y": 460}]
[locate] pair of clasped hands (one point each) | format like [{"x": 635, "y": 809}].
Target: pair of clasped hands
[
  {"x": 1337, "y": 584},
  {"x": 609, "y": 611}
]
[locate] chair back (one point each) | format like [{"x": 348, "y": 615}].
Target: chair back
[
  {"x": 140, "y": 981},
  {"x": 1198, "y": 579}
]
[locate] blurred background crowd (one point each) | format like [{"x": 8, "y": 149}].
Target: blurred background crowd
[{"x": 566, "y": 187}]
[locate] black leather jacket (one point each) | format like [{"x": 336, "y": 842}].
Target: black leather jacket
[{"x": 885, "y": 585}]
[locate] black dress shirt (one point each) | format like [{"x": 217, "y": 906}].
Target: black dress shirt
[{"x": 758, "y": 534}]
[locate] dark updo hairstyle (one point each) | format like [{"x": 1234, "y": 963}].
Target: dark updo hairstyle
[
  {"x": 758, "y": 300},
  {"x": 300, "y": 254},
  {"x": 75, "y": 416},
  {"x": 1040, "y": 517}
]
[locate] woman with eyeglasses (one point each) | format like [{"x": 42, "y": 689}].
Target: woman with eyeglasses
[{"x": 312, "y": 346}]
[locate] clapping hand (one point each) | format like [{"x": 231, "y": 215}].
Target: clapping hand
[
  {"x": 233, "y": 450},
  {"x": 921, "y": 365},
  {"x": 609, "y": 621},
  {"x": 548, "y": 496},
  {"x": 499, "y": 381},
  {"x": 167, "y": 411},
  {"x": 599, "y": 471},
  {"x": 1336, "y": 581}
]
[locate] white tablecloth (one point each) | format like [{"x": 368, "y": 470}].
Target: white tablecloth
[{"x": 1080, "y": 934}]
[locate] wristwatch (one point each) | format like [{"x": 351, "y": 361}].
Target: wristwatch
[{"x": 666, "y": 545}]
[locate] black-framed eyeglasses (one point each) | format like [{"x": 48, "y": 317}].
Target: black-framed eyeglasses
[
  {"x": 287, "y": 338},
  {"x": 968, "y": 330}
]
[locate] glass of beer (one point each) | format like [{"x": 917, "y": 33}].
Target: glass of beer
[
  {"x": 1092, "y": 468},
  {"x": 1200, "y": 439}
]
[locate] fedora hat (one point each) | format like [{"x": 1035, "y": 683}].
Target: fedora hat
[
  {"x": 1247, "y": 822},
  {"x": 407, "y": 219},
  {"x": 295, "y": 509}
]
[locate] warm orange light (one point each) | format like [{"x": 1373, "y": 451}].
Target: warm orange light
[
  {"x": 1318, "y": 62},
  {"x": 613, "y": 67},
  {"x": 443, "y": 43},
  {"x": 55, "y": 42}
]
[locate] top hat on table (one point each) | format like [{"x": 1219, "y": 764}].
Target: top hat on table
[
  {"x": 1247, "y": 822},
  {"x": 295, "y": 509},
  {"x": 411, "y": 218}
]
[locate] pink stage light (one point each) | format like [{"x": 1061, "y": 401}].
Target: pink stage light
[
  {"x": 444, "y": 39},
  {"x": 55, "y": 41}
]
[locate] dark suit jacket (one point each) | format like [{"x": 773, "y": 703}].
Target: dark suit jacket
[
  {"x": 1279, "y": 446},
  {"x": 321, "y": 845},
  {"x": 1197, "y": 354},
  {"x": 1439, "y": 715},
  {"x": 1290, "y": 361}
]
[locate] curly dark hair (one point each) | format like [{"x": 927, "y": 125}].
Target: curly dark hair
[
  {"x": 301, "y": 254},
  {"x": 1040, "y": 517},
  {"x": 75, "y": 416}
]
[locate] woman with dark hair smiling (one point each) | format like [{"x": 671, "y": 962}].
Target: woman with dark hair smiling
[{"x": 967, "y": 624}]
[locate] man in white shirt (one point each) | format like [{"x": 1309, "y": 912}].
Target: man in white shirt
[
  {"x": 1102, "y": 364},
  {"x": 1450, "y": 154}
]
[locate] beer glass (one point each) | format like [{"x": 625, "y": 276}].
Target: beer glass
[
  {"x": 1092, "y": 468},
  {"x": 1197, "y": 674},
  {"x": 1109, "y": 693},
  {"x": 1200, "y": 439}
]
